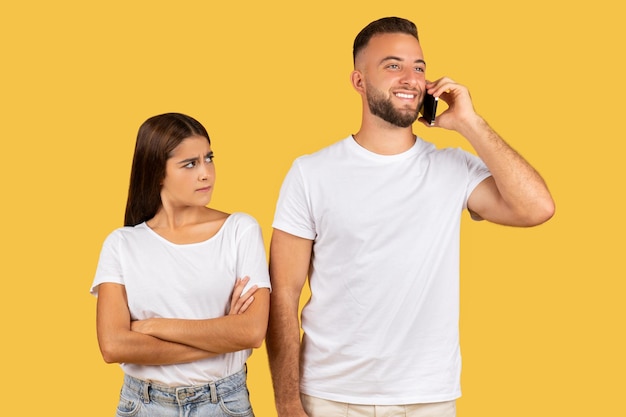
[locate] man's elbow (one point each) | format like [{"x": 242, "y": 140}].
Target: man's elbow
[
  {"x": 541, "y": 213},
  {"x": 546, "y": 211}
]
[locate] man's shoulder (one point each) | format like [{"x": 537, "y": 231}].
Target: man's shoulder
[{"x": 336, "y": 149}]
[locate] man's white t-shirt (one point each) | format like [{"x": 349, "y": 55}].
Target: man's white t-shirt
[
  {"x": 381, "y": 326},
  {"x": 189, "y": 281}
]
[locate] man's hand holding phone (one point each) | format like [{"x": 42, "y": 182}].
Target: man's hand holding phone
[
  {"x": 456, "y": 96},
  {"x": 429, "y": 109}
]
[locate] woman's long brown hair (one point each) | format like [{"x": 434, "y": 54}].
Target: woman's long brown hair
[{"x": 156, "y": 140}]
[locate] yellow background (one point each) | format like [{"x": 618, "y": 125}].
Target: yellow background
[{"x": 542, "y": 309}]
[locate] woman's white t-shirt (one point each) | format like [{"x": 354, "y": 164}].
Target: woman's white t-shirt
[{"x": 188, "y": 281}]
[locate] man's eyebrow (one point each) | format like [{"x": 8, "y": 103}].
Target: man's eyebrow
[{"x": 395, "y": 58}]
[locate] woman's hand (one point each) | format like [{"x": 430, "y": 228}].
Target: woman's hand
[{"x": 239, "y": 302}]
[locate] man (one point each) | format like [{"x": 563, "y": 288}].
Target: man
[{"x": 374, "y": 221}]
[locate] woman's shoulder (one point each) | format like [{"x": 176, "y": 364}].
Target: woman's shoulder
[
  {"x": 126, "y": 233},
  {"x": 240, "y": 218},
  {"x": 128, "y": 230}
]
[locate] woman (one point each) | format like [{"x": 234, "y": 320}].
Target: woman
[{"x": 183, "y": 289}]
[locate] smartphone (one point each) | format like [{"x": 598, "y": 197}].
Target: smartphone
[{"x": 429, "y": 108}]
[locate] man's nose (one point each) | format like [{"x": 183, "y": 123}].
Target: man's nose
[{"x": 409, "y": 77}]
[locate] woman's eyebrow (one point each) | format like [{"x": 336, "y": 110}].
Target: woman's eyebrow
[{"x": 188, "y": 160}]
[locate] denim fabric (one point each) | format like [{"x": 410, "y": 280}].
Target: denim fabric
[{"x": 227, "y": 397}]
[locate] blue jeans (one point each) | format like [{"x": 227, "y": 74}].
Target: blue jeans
[{"x": 227, "y": 397}]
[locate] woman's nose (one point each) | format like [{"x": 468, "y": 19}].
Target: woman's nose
[{"x": 204, "y": 172}]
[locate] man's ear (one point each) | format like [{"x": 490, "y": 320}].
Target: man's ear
[{"x": 356, "y": 78}]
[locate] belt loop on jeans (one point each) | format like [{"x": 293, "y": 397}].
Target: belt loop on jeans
[
  {"x": 213, "y": 390},
  {"x": 146, "y": 394}
]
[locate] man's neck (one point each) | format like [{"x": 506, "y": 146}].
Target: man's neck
[{"x": 385, "y": 139}]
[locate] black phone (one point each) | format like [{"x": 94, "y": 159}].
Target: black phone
[{"x": 429, "y": 108}]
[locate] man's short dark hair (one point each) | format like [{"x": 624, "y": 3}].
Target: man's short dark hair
[{"x": 384, "y": 25}]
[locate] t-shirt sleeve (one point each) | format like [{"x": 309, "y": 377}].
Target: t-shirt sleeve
[
  {"x": 477, "y": 172},
  {"x": 293, "y": 209},
  {"x": 251, "y": 255},
  {"x": 109, "y": 265}
]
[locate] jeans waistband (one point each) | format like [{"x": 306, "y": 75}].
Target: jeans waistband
[{"x": 148, "y": 390}]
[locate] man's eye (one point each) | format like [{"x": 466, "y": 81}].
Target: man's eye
[
  {"x": 419, "y": 69},
  {"x": 393, "y": 66}
]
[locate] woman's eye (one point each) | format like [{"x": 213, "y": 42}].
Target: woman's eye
[{"x": 190, "y": 165}]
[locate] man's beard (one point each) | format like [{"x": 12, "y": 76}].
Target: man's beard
[{"x": 382, "y": 107}]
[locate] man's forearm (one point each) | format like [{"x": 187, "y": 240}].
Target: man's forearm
[{"x": 283, "y": 348}]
